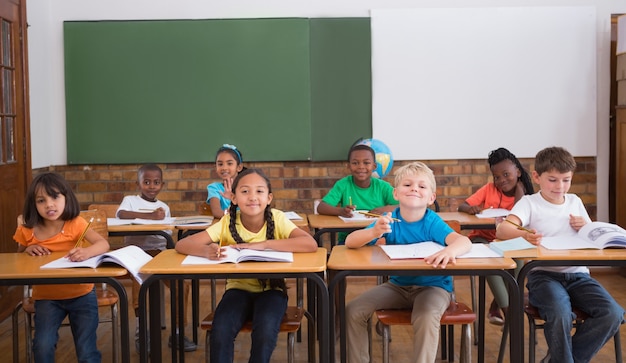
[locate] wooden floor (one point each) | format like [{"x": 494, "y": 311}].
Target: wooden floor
[{"x": 610, "y": 278}]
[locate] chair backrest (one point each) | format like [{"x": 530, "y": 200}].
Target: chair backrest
[
  {"x": 204, "y": 209},
  {"x": 99, "y": 223},
  {"x": 109, "y": 209}
]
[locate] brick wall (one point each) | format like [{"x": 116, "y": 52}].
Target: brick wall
[{"x": 295, "y": 184}]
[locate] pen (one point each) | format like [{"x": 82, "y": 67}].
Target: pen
[
  {"x": 349, "y": 200},
  {"x": 519, "y": 227},
  {"x": 79, "y": 243},
  {"x": 377, "y": 215}
]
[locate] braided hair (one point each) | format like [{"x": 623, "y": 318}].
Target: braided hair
[
  {"x": 501, "y": 154},
  {"x": 269, "y": 221}
]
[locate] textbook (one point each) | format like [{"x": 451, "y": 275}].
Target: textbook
[
  {"x": 425, "y": 249},
  {"x": 514, "y": 248},
  {"x": 594, "y": 235},
  {"x": 231, "y": 254},
  {"x": 192, "y": 220},
  {"x": 132, "y": 258},
  {"x": 493, "y": 213}
]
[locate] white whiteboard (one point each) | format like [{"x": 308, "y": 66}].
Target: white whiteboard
[{"x": 456, "y": 83}]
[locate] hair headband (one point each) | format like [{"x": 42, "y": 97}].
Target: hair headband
[{"x": 233, "y": 148}]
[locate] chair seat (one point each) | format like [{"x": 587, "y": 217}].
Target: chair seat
[
  {"x": 105, "y": 298},
  {"x": 457, "y": 313},
  {"x": 291, "y": 321}
]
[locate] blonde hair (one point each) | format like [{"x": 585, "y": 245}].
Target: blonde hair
[{"x": 415, "y": 168}]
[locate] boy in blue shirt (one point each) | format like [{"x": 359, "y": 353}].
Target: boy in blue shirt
[
  {"x": 428, "y": 296},
  {"x": 554, "y": 290},
  {"x": 359, "y": 190}
]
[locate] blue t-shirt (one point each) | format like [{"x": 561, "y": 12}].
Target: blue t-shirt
[
  {"x": 215, "y": 191},
  {"x": 430, "y": 228}
]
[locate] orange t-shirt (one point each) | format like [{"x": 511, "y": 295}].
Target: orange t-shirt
[
  {"x": 63, "y": 241},
  {"x": 488, "y": 196}
]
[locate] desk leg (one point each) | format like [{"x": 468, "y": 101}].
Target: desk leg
[{"x": 481, "y": 318}]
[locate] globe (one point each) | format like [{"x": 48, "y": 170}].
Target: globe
[{"x": 384, "y": 158}]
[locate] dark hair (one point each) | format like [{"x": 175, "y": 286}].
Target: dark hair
[
  {"x": 269, "y": 219},
  {"x": 232, "y": 150},
  {"x": 358, "y": 146},
  {"x": 554, "y": 158},
  {"x": 148, "y": 167},
  {"x": 53, "y": 184},
  {"x": 498, "y": 155}
]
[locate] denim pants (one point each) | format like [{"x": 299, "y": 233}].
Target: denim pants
[
  {"x": 554, "y": 294},
  {"x": 265, "y": 309},
  {"x": 83, "y": 317}
]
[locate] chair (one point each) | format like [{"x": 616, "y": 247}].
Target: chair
[
  {"x": 535, "y": 322},
  {"x": 104, "y": 296},
  {"x": 457, "y": 313},
  {"x": 292, "y": 320},
  {"x": 109, "y": 209}
]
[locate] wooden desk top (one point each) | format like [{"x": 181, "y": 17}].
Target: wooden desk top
[
  {"x": 169, "y": 262},
  {"x": 141, "y": 227},
  {"x": 21, "y": 265},
  {"x": 466, "y": 219},
  {"x": 614, "y": 254},
  {"x": 320, "y": 221},
  {"x": 373, "y": 258}
]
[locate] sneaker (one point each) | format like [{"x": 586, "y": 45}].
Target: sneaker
[
  {"x": 495, "y": 317},
  {"x": 188, "y": 345}
]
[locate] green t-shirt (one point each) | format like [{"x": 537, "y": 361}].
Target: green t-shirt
[{"x": 378, "y": 194}]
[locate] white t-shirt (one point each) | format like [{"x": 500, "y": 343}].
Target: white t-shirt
[
  {"x": 551, "y": 220},
  {"x": 134, "y": 203}
]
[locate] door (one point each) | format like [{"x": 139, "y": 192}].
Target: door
[{"x": 15, "y": 166}]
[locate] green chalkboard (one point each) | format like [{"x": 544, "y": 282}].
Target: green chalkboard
[{"x": 175, "y": 90}]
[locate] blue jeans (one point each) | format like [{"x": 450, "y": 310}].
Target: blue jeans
[
  {"x": 83, "y": 317},
  {"x": 554, "y": 294},
  {"x": 265, "y": 309}
]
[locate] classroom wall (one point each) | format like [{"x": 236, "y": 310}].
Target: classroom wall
[
  {"x": 45, "y": 19},
  {"x": 295, "y": 184}
]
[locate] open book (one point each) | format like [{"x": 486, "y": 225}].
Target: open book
[
  {"x": 594, "y": 235},
  {"x": 514, "y": 248},
  {"x": 357, "y": 216},
  {"x": 231, "y": 254},
  {"x": 425, "y": 249},
  {"x": 132, "y": 258},
  {"x": 493, "y": 213}
]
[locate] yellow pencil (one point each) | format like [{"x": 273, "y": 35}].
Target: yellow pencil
[
  {"x": 350, "y": 200},
  {"x": 519, "y": 227},
  {"x": 79, "y": 243},
  {"x": 378, "y": 215}
]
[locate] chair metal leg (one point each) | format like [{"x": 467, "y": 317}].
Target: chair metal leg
[
  {"x": 503, "y": 341},
  {"x": 291, "y": 339},
  {"x": 116, "y": 338},
  {"x": 466, "y": 344},
  {"x": 29, "y": 337},
  {"x": 618, "y": 347},
  {"x": 386, "y": 335},
  {"x": 207, "y": 346},
  {"x": 474, "y": 305},
  {"x": 162, "y": 291},
  {"x": 15, "y": 333},
  {"x": 451, "y": 343}
]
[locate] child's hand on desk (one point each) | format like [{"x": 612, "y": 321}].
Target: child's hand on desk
[
  {"x": 37, "y": 250},
  {"x": 77, "y": 254},
  {"x": 534, "y": 238},
  {"x": 441, "y": 259}
]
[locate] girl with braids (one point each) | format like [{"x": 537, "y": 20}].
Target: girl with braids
[
  {"x": 253, "y": 224},
  {"x": 510, "y": 183}
]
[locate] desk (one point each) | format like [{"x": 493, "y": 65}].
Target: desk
[
  {"x": 372, "y": 261},
  {"x": 468, "y": 221},
  {"x": 546, "y": 257},
  {"x": 167, "y": 265},
  {"x": 21, "y": 269},
  {"x": 322, "y": 224},
  {"x": 143, "y": 230}
]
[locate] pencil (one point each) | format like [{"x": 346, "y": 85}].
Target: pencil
[
  {"x": 377, "y": 215},
  {"x": 79, "y": 243},
  {"x": 349, "y": 200},
  {"x": 519, "y": 227}
]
